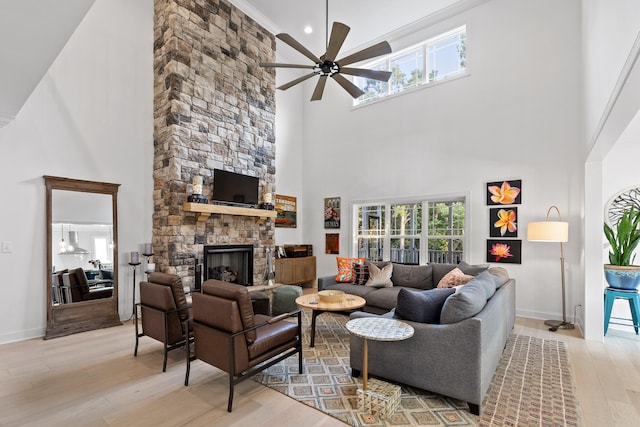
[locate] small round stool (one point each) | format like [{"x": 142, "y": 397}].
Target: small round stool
[
  {"x": 284, "y": 299},
  {"x": 610, "y": 295}
]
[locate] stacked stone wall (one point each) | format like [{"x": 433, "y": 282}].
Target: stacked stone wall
[{"x": 214, "y": 108}]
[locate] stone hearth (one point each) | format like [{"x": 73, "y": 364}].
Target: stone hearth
[{"x": 214, "y": 108}]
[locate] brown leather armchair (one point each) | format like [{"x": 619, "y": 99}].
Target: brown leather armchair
[
  {"x": 78, "y": 288},
  {"x": 165, "y": 313},
  {"x": 230, "y": 337}
]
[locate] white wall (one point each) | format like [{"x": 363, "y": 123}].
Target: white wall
[
  {"x": 610, "y": 29},
  {"x": 91, "y": 117},
  {"x": 289, "y": 147},
  {"x": 611, "y": 87},
  {"x": 515, "y": 116}
]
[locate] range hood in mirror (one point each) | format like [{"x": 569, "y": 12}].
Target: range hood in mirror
[{"x": 73, "y": 247}]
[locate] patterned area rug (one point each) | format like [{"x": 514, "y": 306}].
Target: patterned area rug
[{"x": 533, "y": 385}]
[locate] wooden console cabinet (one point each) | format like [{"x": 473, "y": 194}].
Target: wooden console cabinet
[{"x": 296, "y": 271}]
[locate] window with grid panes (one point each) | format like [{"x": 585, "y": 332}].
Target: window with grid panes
[{"x": 394, "y": 231}]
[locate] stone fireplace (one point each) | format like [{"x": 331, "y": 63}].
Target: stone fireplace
[{"x": 214, "y": 108}]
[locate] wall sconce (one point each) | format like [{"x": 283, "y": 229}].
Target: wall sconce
[{"x": 196, "y": 196}]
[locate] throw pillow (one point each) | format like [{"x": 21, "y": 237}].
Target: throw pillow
[
  {"x": 380, "y": 277},
  {"x": 361, "y": 274},
  {"x": 453, "y": 278},
  {"x": 487, "y": 281},
  {"x": 422, "y": 306},
  {"x": 465, "y": 303},
  {"x": 345, "y": 268}
]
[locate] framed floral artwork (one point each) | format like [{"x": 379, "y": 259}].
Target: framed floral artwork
[
  {"x": 504, "y": 192},
  {"x": 504, "y": 251},
  {"x": 332, "y": 212},
  {"x": 503, "y": 222}
]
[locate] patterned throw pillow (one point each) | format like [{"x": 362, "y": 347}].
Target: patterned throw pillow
[
  {"x": 345, "y": 268},
  {"x": 453, "y": 278},
  {"x": 361, "y": 273},
  {"x": 380, "y": 277}
]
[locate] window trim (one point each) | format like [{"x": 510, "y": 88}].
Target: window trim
[{"x": 387, "y": 202}]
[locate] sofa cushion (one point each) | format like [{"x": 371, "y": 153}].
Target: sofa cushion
[
  {"x": 360, "y": 274},
  {"x": 487, "y": 281},
  {"x": 348, "y": 288},
  {"x": 422, "y": 306},
  {"x": 380, "y": 277},
  {"x": 345, "y": 268},
  {"x": 467, "y": 302},
  {"x": 500, "y": 275},
  {"x": 383, "y": 297},
  {"x": 454, "y": 278},
  {"x": 472, "y": 269},
  {"x": 412, "y": 276}
]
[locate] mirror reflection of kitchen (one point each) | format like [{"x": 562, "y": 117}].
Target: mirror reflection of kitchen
[{"x": 82, "y": 252}]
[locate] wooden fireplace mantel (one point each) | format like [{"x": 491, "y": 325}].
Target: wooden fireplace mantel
[{"x": 203, "y": 211}]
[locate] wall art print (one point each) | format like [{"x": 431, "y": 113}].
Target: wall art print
[
  {"x": 286, "y": 210},
  {"x": 332, "y": 243},
  {"x": 332, "y": 212},
  {"x": 504, "y": 251},
  {"x": 503, "y": 222},
  {"x": 504, "y": 192}
]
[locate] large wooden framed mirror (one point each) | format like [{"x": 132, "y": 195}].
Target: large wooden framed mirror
[{"x": 82, "y": 255}]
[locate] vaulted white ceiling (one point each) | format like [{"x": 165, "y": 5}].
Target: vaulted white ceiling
[
  {"x": 33, "y": 32},
  {"x": 369, "y": 19}
]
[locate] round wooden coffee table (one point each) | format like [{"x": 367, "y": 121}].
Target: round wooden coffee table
[{"x": 347, "y": 303}]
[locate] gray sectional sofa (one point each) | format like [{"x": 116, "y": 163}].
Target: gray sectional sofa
[
  {"x": 455, "y": 359},
  {"x": 413, "y": 277}
]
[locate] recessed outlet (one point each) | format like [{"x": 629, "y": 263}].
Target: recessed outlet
[{"x": 7, "y": 247}]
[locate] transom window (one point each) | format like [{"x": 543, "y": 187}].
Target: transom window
[
  {"x": 433, "y": 60},
  {"x": 396, "y": 231}
]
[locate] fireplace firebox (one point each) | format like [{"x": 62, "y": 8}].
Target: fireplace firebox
[{"x": 229, "y": 263}]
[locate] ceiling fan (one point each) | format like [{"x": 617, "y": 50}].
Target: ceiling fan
[{"x": 327, "y": 65}]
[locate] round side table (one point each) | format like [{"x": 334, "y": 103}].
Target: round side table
[{"x": 377, "y": 329}]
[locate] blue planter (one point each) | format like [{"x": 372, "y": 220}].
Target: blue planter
[{"x": 626, "y": 278}]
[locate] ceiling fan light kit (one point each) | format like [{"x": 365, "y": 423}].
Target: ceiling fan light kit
[{"x": 327, "y": 65}]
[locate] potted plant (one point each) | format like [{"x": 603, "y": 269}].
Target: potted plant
[{"x": 620, "y": 273}]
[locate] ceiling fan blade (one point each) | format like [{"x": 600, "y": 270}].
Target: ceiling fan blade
[
  {"x": 317, "y": 92},
  {"x": 377, "y": 49},
  {"x": 297, "y": 46},
  {"x": 353, "y": 90},
  {"x": 369, "y": 74},
  {"x": 296, "y": 81},
  {"x": 339, "y": 33},
  {"x": 276, "y": 64}
]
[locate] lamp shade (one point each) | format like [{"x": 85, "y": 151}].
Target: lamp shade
[{"x": 548, "y": 231}]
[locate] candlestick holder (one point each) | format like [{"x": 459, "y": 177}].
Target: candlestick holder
[
  {"x": 151, "y": 266},
  {"x": 134, "y": 265}
]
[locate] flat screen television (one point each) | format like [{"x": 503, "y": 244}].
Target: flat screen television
[{"x": 231, "y": 188}]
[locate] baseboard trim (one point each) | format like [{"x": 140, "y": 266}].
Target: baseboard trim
[{"x": 24, "y": 335}]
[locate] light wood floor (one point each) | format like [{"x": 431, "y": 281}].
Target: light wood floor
[{"x": 92, "y": 379}]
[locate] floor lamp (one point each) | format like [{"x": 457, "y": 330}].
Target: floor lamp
[{"x": 553, "y": 232}]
